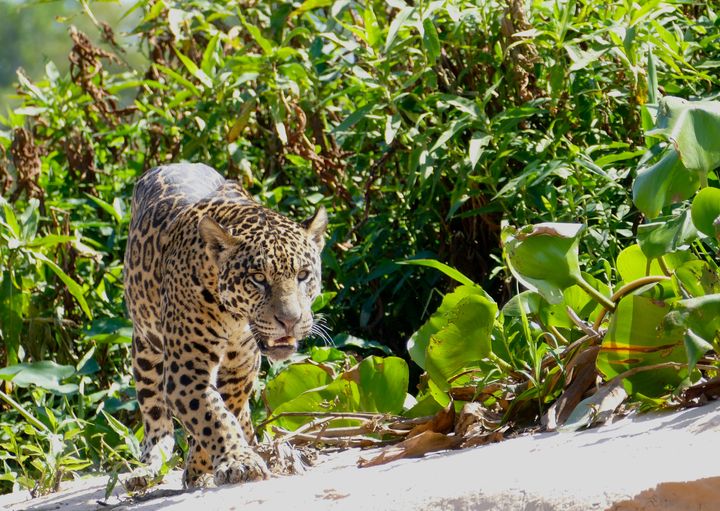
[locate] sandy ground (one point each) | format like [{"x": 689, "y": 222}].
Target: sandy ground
[{"x": 658, "y": 462}]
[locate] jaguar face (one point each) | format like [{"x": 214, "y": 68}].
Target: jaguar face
[{"x": 269, "y": 273}]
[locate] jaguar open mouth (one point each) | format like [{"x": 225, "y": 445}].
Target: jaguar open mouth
[{"x": 279, "y": 349}]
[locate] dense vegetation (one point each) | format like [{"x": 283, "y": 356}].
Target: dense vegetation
[{"x": 424, "y": 129}]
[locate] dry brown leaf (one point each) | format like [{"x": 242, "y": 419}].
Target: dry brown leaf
[
  {"x": 582, "y": 376},
  {"x": 441, "y": 422},
  {"x": 415, "y": 447}
]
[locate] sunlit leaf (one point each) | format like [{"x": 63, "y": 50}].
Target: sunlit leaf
[
  {"x": 692, "y": 127},
  {"x": 706, "y": 212},
  {"x": 666, "y": 182},
  {"x": 660, "y": 238},
  {"x": 637, "y": 336},
  {"x": 544, "y": 257}
]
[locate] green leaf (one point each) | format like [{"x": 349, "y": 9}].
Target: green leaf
[
  {"x": 705, "y": 212},
  {"x": 322, "y": 300},
  {"x": 692, "y": 126},
  {"x": 695, "y": 347},
  {"x": 207, "y": 64},
  {"x": 632, "y": 264},
  {"x": 75, "y": 289},
  {"x": 398, "y": 22},
  {"x": 11, "y": 317},
  {"x": 350, "y": 341},
  {"x": 122, "y": 430},
  {"x": 478, "y": 142},
  {"x": 638, "y": 336},
  {"x": 342, "y": 395},
  {"x": 544, "y": 257},
  {"x": 660, "y": 238},
  {"x": 108, "y": 208},
  {"x": 373, "y": 33},
  {"x": 697, "y": 278},
  {"x": 193, "y": 69},
  {"x": 265, "y": 44},
  {"x": 701, "y": 315},
  {"x": 447, "y": 270},
  {"x": 463, "y": 341},
  {"x": 392, "y": 124},
  {"x": 309, "y": 5},
  {"x": 293, "y": 381},
  {"x": 44, "y": 374},
  {"x": 666, "y": 182},
  {"x": 383, "y": 384},
  {"x": 431, "y": 41},
  {"x": 418, "y": 343}
]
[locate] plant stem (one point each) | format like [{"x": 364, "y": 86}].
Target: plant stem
[
  {"x": 32, "y": 420},
  {"x": 703, "y": 180},
  {"x": 500, "y": 362},
  {"x": 596, "y": 295}
]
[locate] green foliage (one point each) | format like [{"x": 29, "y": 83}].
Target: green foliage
[{"x": 422, "y": 128}]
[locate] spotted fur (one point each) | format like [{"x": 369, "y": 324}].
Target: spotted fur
[{"x": 212, "y": 279}]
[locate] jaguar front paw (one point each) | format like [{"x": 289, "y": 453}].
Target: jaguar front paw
[{"x": 241, "y": 467}]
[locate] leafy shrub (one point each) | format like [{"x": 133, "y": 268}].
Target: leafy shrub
[{"x": 422, "y": 128}]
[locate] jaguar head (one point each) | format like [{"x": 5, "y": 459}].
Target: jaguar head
[{"x": 268, "y": 274}]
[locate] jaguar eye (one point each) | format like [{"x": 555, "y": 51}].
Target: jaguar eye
[
  {"x": 303, "y": 275},
  {"x": 259, "y": 279}
]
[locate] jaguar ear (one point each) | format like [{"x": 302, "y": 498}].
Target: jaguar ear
[
  {"x": 215, "y": 236},
  {"x": 316, "y": 226}
]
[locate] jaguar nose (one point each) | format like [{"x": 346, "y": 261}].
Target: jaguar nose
[{"x": 288, "y": 319}]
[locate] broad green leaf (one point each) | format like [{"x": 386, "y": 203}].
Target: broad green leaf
[
  {"x": 420, "y": 340},
  {"x": 701, "y": 315},
  {"x": 637, "y": 336},
  {"x": 697, "y": 278},
  {"x": 705, "y": 212},
  {"x": 342, "y": 395},
  {"x": 692, "y": 126},
  {"x": 632, "y": 264},
  {"x": 383, "y": 384},
  {"x": 544, "y": 257},
  {"x": 293, "y": 381},
  {"x": 660, "y": 238},
  {"x": 44, "y": 374},
  {"x": 463, "y": 341},
  {"x": 664, "y": 183}
]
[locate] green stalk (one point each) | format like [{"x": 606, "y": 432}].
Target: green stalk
[
  {"x": 703, "y": 180},
  {"x": 32, "y": 420},
  {"x": 596, "y": 295},
  {"x": 500, "y": 362}
]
